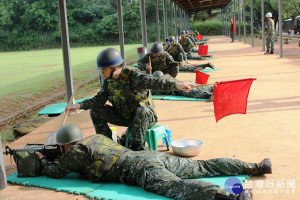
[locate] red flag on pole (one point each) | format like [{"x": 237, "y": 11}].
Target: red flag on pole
[
  {"x": 201, "y": 78},
  {"x": 230, "y": 97},
  {"x": 234, "y": 27}
]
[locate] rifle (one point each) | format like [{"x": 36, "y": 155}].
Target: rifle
[{"x": 51, "y": 152}]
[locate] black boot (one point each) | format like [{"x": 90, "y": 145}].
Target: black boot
[
  {"x": 272, "y": 52},
  {"x": 264, "y": 167},
  {"x": 210, "y": 65},
  {"x": 267, "y": 52},
  {"x": 138, "y": 147},
  {"x": 245, "y": 195}
]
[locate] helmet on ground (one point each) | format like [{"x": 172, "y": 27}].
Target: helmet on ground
[
  {"x": 172, "y": 39},
  {"x": 157, "y": 74},
  {"x": 109, "y": 57},
  {"x": 269, "y": 14},
  {"x": 182, "y": 32},
  {"x": 67, "y": 134},
  {"x": 156, "y": 48}
]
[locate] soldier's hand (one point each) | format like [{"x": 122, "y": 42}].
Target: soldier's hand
[
  {"x": 184, "y": 86},
  {"x": 149, "y": 68},
  {"x": 39, "y": 155},
  {"x": 186, "y": 62},
  {"x": 180, "y": 64},
  {"x": 72, "y": 108}
]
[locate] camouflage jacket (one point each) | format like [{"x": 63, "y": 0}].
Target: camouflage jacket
[
  {"x": 158, "y": 63},
  {"x": 175, "y": 49},
  {"x": 128, "y": 92},
  {"x": 95, "y": 157},
  {"x": 270, "y": 27},
  {"x": 192, "y": 39},
  {"x": 187, "y": 44}
]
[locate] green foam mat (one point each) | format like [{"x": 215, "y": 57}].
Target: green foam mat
[
  {"x": 210, "y": 58},
  {"x": 176, "y": 98},
  {"x": 203, "y": 70},
  {"x": 74, "y": 184},
  {"x": 210, "y": 51},
  {"x": 58, "y": 108}
]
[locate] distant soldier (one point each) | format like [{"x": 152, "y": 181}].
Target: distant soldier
[
  {"x": 176, "y": 51},
  {"x": 188, "y": 46},
  {"x": 270, "y": 34},
  {"x": 231, "y": 31},
  {"x": 160, "y": 61},
  {"x": 204, "y": 92}
]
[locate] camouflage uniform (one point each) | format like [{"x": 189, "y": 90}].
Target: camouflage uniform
[
  {"x": 271, "y": 34},
  {"x": 231, "y": 32},
  {"x": 132, "y": 104},
  {"x": 164, "y": 63},
  {"x": 204, "y": 92},
  {"x": 192, "y": 67},
  {"x": 101, "y": 160},
  {"x": 176, "y": 51}
]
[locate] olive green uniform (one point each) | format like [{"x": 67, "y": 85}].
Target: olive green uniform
[
  {"x": 192, "y": 67},
  {"x": 187, "y": 45},
  {"x": 131, "y": 101},
  {"x": 231, "y": 32},
  {"x": 176, "y": 51},
  {"x": 99, "y": 159},
  {"x": 271, "y": 35},
  {"x": 164, "y": 63}
]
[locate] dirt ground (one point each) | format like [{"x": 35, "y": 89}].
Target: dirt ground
[{"x": 269, "y": 129}]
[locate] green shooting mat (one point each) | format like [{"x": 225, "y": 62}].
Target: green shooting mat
[
  {"x": 203, "y": 70},
  {"x": 58, "y": 108},
  {"x": 176, "y": 98},
  {"x": 74, "y": 184}
]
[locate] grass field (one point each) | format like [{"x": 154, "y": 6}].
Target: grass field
[
  {"x": 28, "y": 76},
  {"x": 33, "y": 70}
]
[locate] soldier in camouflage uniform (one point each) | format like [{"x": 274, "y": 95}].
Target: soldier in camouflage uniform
[
  {"x": 270, "y": 34},
  {"x": 188, "y": 46},
  {"x": 231, "y": 31},
  {"x": 160, "y": 61},
  {"x": 126, "y": 88},
  {"x": 204, "y": 92},
  {"x": 100, "y": 159}
]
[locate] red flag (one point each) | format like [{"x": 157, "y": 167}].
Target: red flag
[
  {"x": 203, "y": 50},
  {"x": 201, "y": 78},
  {"x": 234, "y": 27},
  {"x": 230, "y": 97},
  {"x": 199, "y": 37}
]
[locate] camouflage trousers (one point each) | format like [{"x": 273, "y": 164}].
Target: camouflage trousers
[
  {"x": 204, "y": 92},
  {"x": 193, "y": 56},
  {"x": 270, "y": 43},
  {"x": 172, "y": 69},
  {"x": 192, "y": 67},
  {"x": 194, "y": 50},
  {"x": 232, "y": 36},
  {"x": 179, "y": 58},
  {"x": 171, "y": 176},
  {"x": 143, "y": 119}
]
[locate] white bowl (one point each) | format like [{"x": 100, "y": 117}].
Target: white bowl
[{"x": 187, "y": 148}]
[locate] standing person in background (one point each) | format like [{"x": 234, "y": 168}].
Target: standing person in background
[
  {"x": 231, "y": 31},
  {"x": 270, "y": 34}
]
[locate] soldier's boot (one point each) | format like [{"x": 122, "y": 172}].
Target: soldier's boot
[
  {"x": 245, "y": 195},
  {"x": 138, "y": 147},
  {"x": 272, "y": 51},
  {"x": 267, "y": 52},
  {"x": 264, "y": 167},
  {"x": 210, "y": 65}
]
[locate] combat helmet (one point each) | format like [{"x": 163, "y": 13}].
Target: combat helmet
[
  {"x": 182, "y": 32},
  {"x": 157, "y": 74},
  {"x": 156, "y": 48},
  {"x": 109, "y": 57},
  {"x": 172, "y": 39},
  {"x": 269, "y": 14},
  {"x": 67, "y": 134}
]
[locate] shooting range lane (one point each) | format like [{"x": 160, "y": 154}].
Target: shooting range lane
[{"x": 269, "y": 129}]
